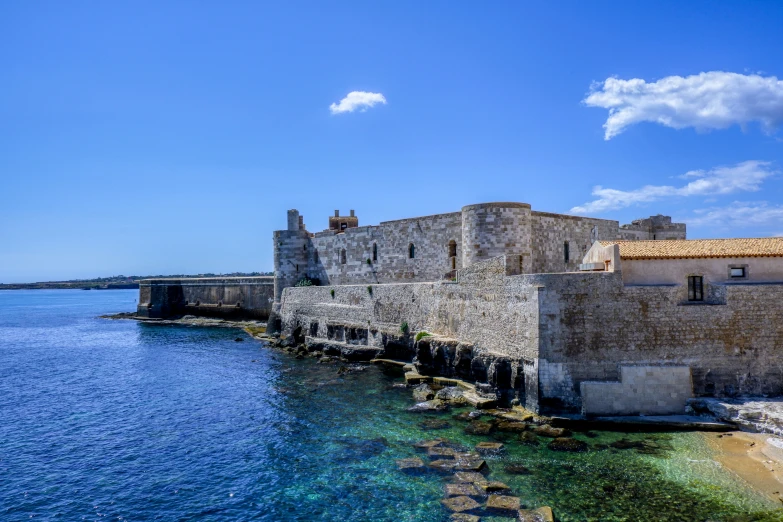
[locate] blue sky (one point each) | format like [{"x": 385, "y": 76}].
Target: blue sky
[{"x": 168, "y": 137}]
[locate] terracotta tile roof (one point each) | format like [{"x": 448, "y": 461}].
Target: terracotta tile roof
[{"x": 695, "y": 248}]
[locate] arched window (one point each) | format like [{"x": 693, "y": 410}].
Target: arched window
[
  {"x": 452, "y": 248},
  {"x": 566, "y": 253},
  {"x": 411, "y": 251},
  {"x": 315, "y": 256},
  {"x": 304, "y": 247},
  {"x": 342, "y": 256},
  {"x": 375, "y": 251}
]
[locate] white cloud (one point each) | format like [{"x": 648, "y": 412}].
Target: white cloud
[
  {"x": 357, "y": 100},
  {"x": 710, "y": 100},
  {"x": 739, "y": 214},
  {"x": 743, "y": 177}
]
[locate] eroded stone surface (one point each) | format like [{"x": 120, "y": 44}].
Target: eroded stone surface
[
  {"x": 464, "y": 517},
  {"x": 410, "y": 464},
  {"x": 756, "y": 414},
  {"x": 469, "y": 476},
  {"x": 426, "y": 444},
  {"x": 466, "y": 489},
  {"x": 512, "y": 426},
  {"x": 503, "y": 503},
  {"x": 567, "y": 444},
  {"x": 470, "y": 464},
  {"x": 443, "y": 464},
  {"x": 460, "y": 504},
  {"x": 492, "y": 486},
  {"x": 489, "y": 447},
  {"x": 429, "y": 406},
  {"x": 546, "y": 430},
  {"x": 479, "y": 428},
  {"x": 440, "y": 452}
]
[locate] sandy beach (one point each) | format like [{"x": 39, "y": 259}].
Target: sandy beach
[{"x": 757, "y": 458}]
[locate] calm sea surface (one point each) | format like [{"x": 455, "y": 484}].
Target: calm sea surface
[{"x": 117, "y": 420}]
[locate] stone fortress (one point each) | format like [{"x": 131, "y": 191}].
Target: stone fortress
[
  {"x": 558, "y": 312},
  {"x": 434, "y": 247}
]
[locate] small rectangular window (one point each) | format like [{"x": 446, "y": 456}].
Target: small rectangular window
[
  {"x": 738, "y": 272},
  {"x": 695, "y": 288}
]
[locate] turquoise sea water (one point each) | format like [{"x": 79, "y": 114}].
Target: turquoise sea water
[{"x": 118, "y": 420}]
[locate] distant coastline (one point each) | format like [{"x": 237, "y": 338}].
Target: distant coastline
[{"x": 110, "y": 283}]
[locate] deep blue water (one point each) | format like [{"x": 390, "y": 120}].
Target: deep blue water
[{"x": 103, "y": 419}]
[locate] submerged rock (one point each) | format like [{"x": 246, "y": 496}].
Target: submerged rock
[
  {"x": 469, "y": 464},
  {"x": 528, "y": 438},
  {"x": 493, "y": 486},
  {"x": 464, "y": 517},
  {"x": 426, "y": 444},
  {"x": 542, "y": 514},
  {"x": 434, "y": 424},
  {"x": 503, "y": 503},
  {"x": 423, "y": 392},
  {"x": 433, "y": 405},
  {"x": 469, "y": 476},
  {"x": 567, "y": 444},
  {"x": 512, "y": 426},
  {"x": 444, "y": 464},
  {"x": 463, "y": 489},
  {"x": 624, "y": 444},
  {"x": 479, "y": 428},
  {"x": 464, "y": 416},
  {"x": 410, "y": 464},
  {"x": 516, "y": 469},
  {"x": 441, "y": 452},
  {"x": 546, "y": 430},
  {"x": 460, "y": 504},
  {"x": 489, "y": 447}
]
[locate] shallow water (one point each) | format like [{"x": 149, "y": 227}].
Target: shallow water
[{"x": 114, "y": 419}]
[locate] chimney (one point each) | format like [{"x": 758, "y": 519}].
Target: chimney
[
  {"x": 352, "y": 214},
  {"x": 336, "y": 213}
]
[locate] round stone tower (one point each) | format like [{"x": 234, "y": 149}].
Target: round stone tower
[{"x": 496, "y": 229}]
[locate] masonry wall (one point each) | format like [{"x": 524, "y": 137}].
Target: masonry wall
[
  {"x": 716, "y": 270},
  {"x": 429, "y": 235},
  {"x": 481, "y": 309},
  {"x": 550, "y": 232},
  {"x": 591, "y": 326},
  {"x": 228, "y": 297},
  {"x": 577, "y": 328}
]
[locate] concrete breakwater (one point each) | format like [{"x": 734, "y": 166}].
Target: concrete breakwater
[{"x": 223, "y": 297}]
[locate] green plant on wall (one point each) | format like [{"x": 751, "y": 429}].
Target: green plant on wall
[
  {"x": 332, "y": 292},
  {"x": 421, "y": 335},
  {"x": 369, "y": 289},
  {"x": 404, "y": 327},
  {"x": 305, "y": 281},
  {"x": 369, "y": 262}
]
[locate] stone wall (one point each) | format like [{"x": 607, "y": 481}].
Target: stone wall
[
  {"x": 430, "y": 248},
  {"x": 551, "y": 232},
  {"x": 347, "y": 257},
  {"x": 714, "y": 269},
  {"x": 229, "y": 297},
  {"x": 593, "y": 325},
  {"x": 652, "y": 390},
  {"x": 568, "y": 329}
]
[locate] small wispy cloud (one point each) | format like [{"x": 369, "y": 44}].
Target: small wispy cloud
[
  {"x": 357, "y": 100},
  {"x": 742, "y": 177},
  {"x": 739, "y": 214},
  {"x": 710, "y": 100}
]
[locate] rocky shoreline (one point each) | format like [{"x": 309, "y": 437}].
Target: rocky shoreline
[
  {"x": 253, "y": 327},
  {"x": 471, "y": 491}
]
